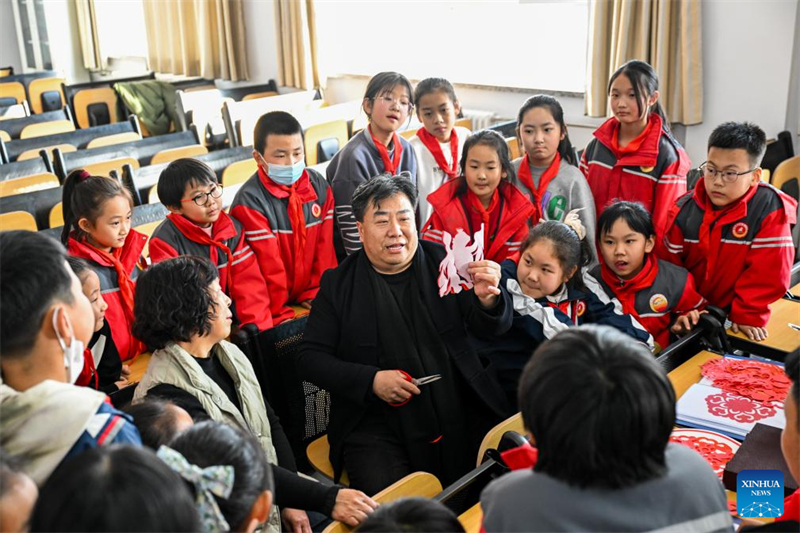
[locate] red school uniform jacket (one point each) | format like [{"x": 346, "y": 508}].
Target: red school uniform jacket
[
  {"x": 740, "y": 256},
  {"x": 660, "y": 292},
  {"x": 654, "y": 174},
  {"x": 262, "y": 206},
  {"x": 239, "y": 275},
  {"x": 508, "y": 217},
  {"x": 118, "y": 315}
]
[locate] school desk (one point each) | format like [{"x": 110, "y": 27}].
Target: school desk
[
  {"x": 781, "y": 340},
  {"x": 139, "y": 367},
  {"x": 472, "y": 518},
  {"x": 795, "y": 290}
]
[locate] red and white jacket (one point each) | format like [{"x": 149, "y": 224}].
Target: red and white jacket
[
  {"x": 508, "y": 219},
  {"x": 119, "y": 318},
  {"x": 240, "y": 278},
  {"x": 654, "y": 174},
  {"x": 262, "y": 207},
  {"x": 740, "y": 256}
]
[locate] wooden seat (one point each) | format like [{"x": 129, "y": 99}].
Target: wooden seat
[
  {"x": 513, "y": 147},
  {"x": 56, "y": 217},
  {"x": 786, "y": 171},
  {"x": 409, "y": 134},
  {"x": 5, "y": 136},
  {"x": 39, "y": 86},
  {"x": 13, "y": 89},
  {"x": 147, "y": 229},
  {"x": 492, "y": 438},
  {"x": 17, "y": 220},
  {"x": 46, "y": 128},
  {"x": 104, "y": 168},
  {"x": 36, "y": 182},
  {"x": 472, "y": 518},
  {"x": 89, "y": 97},
  {"x": 418, "y": 484},
  {"x": 765, "y": 176},
  {"x": 171, "y": 154},
  {"x": 253, "y": 96},
  {"x": 464, "y": 123},
  {"x": 117, "y": 138},
  {"x": 336, "y": 129},
  {"x": 6, "y": 71},
  {"x": 34, "y": 153},
  {"x": 318, "y": 453},
  {"x": 238, "y": 172}
]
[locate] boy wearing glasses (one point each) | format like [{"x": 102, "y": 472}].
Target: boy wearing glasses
[
  {"x": 287, "y": 213},
  {"x": 733, "y": 231},
  {"x": 197, "y": 225}
]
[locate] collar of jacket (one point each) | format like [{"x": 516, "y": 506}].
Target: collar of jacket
[{"x": 646, "y": 156}]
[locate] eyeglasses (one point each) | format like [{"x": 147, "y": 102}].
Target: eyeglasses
[
  {"x": 728, "y": 176},
  {"x": 390, "y": 100},
  {"x": 201, "y": 199}
]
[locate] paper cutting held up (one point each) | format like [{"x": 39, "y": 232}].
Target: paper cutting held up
[{"x": 461, "y": 251}]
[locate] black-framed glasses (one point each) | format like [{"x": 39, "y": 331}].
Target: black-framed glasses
[
  {"x": 728, "y": 176},
  {"x": 201, "y": 199}
]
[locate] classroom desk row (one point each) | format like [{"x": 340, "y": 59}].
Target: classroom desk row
[{"x": 782, "y": 337}]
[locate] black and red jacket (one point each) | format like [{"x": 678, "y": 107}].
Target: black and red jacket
[
  {"x": 262, "y": 208},
  {"x": 741, "y": 255},
  {"x": 654, "y": 175},
  {"x": 120, "y": 320},
  {"x": 508, "y": 222},
  {"x": 245, "y": 285}
]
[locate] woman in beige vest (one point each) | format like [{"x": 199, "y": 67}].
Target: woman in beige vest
[{"x": 182, "y": 314}]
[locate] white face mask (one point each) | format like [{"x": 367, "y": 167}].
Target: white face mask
[{"x": 73, "y": 354}]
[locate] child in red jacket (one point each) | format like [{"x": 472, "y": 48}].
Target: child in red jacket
[
  {"x": 197, "y": 225},
  {"x": 97, "y": 228},
  {"x": 733, "y": 231},
  {"x": 287, "y": 213},
  {"x": 483, "y": 195},
  {"x": 633, "y": 155}
]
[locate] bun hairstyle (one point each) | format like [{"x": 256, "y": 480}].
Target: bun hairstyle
[
  {"x": 84, "y": 196},
  {"x": 569, "y": 244}
]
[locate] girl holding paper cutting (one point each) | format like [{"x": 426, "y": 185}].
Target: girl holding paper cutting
[
  {"x": 482, "y": 195},
  {"x": 549, "y": 295}
]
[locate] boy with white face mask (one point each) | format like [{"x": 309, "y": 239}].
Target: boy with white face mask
[
  {"x": 45, "y": 322},
  {"x": 287, "y": 213}
]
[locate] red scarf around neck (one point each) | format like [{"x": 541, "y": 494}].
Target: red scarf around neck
[
  {"x": 485, "y": 214},
  {"x": 389, "y": 165},
  {"x": 625, "y": 290},
  {"x": 195, "y": 233},
  {"x": 433, "y": 146},
  {"x": 544, "y": 181},
  {"x": 632, "y": 146}
]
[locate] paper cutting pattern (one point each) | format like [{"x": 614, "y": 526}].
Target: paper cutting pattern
[
  {"x": 738, "y": 408},
  {"x": 461, "y": 251}
]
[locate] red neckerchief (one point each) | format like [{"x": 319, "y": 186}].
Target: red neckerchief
[
  {"x": 195, "y": 233},
  {"x": 433, "y": 146},
  {"x": 392, "y": 165},
  {"x": 521, "y": 457},
  {"x": 298, "y": 220},
  {"x": 485, "y": 215},
  {"x": 632, "y": 146},
  {"x": 537, "y": 193},
  {"x": 564, "y": 307},
  {"x": 88, "y": 375},
  {"x": 625, "y": 290}
]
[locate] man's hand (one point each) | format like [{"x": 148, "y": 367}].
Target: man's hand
[
  {"x": 306, "y": 304},
  {"x": 754, "y": 333},
  {"x": 686, "y": 322},
  {"x": 485, "y": 281},
  {"x": 125, "y": 373},
  {"x": 391, "y": 386},
  {"x": 296, "y": 520},
  {"x": 352, "y": 507}
]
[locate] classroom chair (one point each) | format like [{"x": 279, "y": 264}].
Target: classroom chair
[
  {"x": 4, "y": 136},
  {"x": 417, "y": 484},
  {"x": 46, "y": 94},
  {"x": 147, "y": 229},
  {"x": 328, "y": 138},
  {"x": 36, "y": 152},
  {"x": 96, "y": 106},
  {"x": 238, "y": 172},
  {"x": 171, "y": 154},
  {"x": 36, "y": 182},
  {"x": 513, "y": 147},
  {"x": 492, "y": 438},
  {"x": 6, "y": 71},
  {"x": 253, "y": 96},
  {"x": 318, "y": 453},
  {"x": 785, "y": 172},
  {"x": 8, "y": 112},
  {"x": 56, "y": 217},
  {"x": 118, "y": 138},
  {"x": 464, "y": 123},
  {"x": 41, "y": 129},
  {"x": 765, "y": 177},
  {"x": 409, "y": 134},
  {"x": 104, "y": 168},
  {"x": 17, "y": 220},
  {"x": 12, "y": 90}
]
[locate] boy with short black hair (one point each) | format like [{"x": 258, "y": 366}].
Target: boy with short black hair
[
  {"x": 197, "y": 225},
  {"x": 733, "y": 232},
  {"x": 287, "y": 213}
]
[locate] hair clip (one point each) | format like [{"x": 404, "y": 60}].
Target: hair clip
[
  {"x": 574, "y": 221},
  {"x": 83, "y": 175}
]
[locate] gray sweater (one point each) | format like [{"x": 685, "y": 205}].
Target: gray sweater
[
  {"x": 567, "y": 191},
  {"x": 688, "y": 497}
]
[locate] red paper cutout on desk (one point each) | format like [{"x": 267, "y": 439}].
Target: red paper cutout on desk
[
  {"x": 738, "y": 408},
  {"x": 758, "y": 381},
  {"x": 715, "y": 452}
]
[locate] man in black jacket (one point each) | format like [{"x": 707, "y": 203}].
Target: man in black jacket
[{"x": 377, "y": 323}]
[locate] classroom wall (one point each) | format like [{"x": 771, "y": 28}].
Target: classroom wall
[
  {"x": 9, "y": 48},
  {"x": 262, "y": 44},
  {"x": 65, "y": 47}
]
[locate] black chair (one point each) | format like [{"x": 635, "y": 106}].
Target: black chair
[
  {"x": 466, "y": 491},
  {"x": 25, "y": 79},
  {"x": 778, "y": 151},
  {"x": 709, "y": 334},
  {"x": 15, "y": 126},
  {"x": 20, "y": 169},
  {"x": 142, "y": 214},
  {"x": 37, "y": 203},
  {"x": 100, "y": 118},
  {"x": 237, "y": 93},
  {"x": 506, "y": 129}
]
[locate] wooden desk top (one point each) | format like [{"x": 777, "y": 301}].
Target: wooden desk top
[
  {"x": 472, "y": 518},
  {"x": 139, "y": 367},
  {"x": 781, "y": 336},
  {"x": 795, "y": 290}
]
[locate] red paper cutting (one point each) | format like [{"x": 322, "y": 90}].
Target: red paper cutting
[
  {"x": 716, "y": 453},
  {"x": 738, "y": 408},
  {"x": 758, "y": 381}
]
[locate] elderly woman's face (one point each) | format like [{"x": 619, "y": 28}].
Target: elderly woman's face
[
  {"x": 222, "y": 316},
  {"x": 389, "y": 234}
]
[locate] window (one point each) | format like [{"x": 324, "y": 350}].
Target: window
[
  {"x": 120, "y": 29},
  {"x": 533, "y": 44}
]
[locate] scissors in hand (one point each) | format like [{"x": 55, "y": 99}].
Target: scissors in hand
[{"x": 418, "y": 382}]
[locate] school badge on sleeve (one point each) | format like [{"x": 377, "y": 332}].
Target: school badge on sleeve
[
  {"x": 316, "y": 210},
  {"x": 658, "y": 303},
  {"x": 739, "y": 230},
  {"x": 580, "y": 308}
]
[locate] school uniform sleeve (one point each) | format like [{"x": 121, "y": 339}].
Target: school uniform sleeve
[
  {"x": 433, "y": 229},
  {"x": 601, "y": 309},
  {"x": 348, "y": 176},
  {"x": 672, "y": 248},
  {"x": 295, "y": 492},
  {"x": 671, "y": 186},
  {"x": 583, "y": 165},
  {"x": 690, "y": 298},
  {"x": 160, "y": 250},
  {"x": 325, "y": 254},
  {"x": 107, "y": 426},
  {"x": 249, "y": 291},
  {"x": 767, "y": 272}
]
